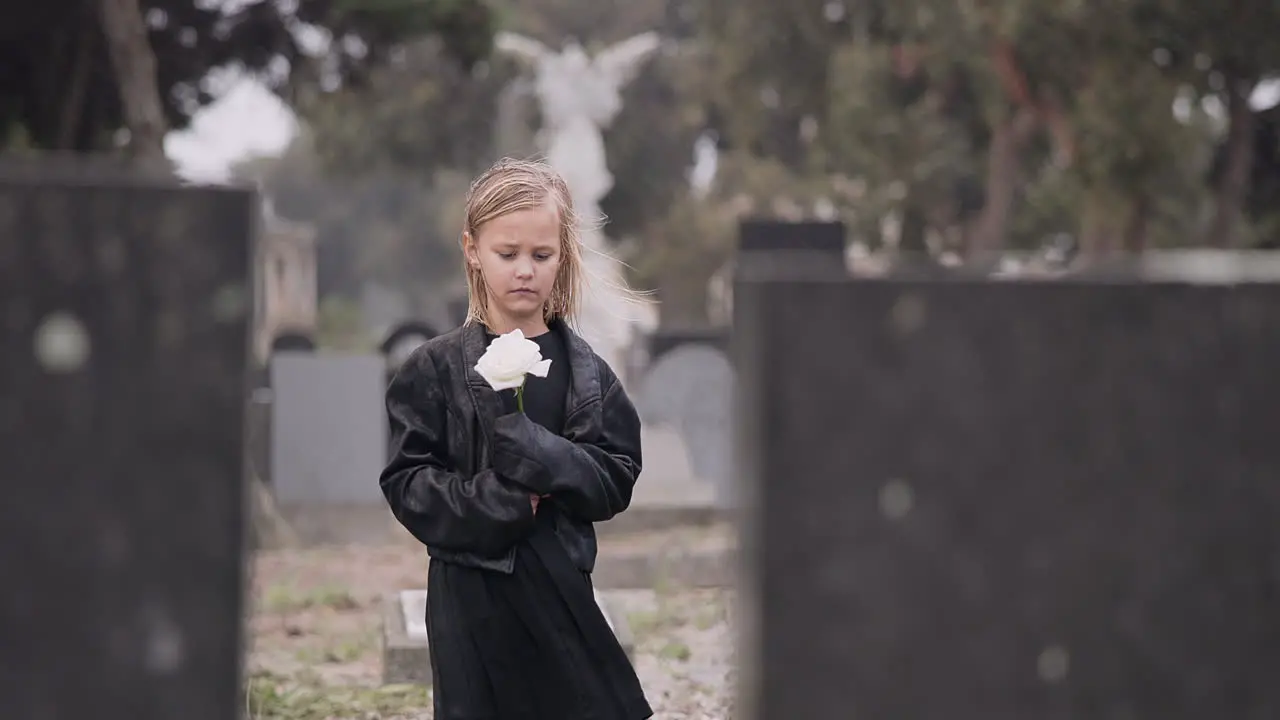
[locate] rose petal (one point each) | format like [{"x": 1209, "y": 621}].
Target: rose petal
[
  {"x": 508, "y": 358},
  {"x": 541, "y": 369},
  {"x": 498, "y": 375},
  {"x": 506, "y": 383}
]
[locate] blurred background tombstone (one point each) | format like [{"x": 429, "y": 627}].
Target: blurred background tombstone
[
  {"x": 687, "y": 378},
  {"x": 123, "y": 348},
  {"x": 663, "y": 341},
  {"x": 396, "y": 349},
  {"x": 689, "y": 390},
  {"x": 1050, "y": 499},
  {"x": 328, "y": 445},
  {"x": 286, "y": 301},
  {"x": 294, "y": 341},
  {"x": 261, "y": 397},
  {"x": 402, "y": 340}
]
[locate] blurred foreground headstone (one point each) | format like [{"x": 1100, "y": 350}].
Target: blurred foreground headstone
[
  {"x": 973, "y": 500},
  {"x": 123, "y": 347}
]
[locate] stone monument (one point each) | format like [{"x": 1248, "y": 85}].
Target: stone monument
[
  {"x": 286, "y": 299},
  {"x": 1011, "y": 499},
  {"x": 123, "y": 347},
  {"x": 579, "y": 96}
]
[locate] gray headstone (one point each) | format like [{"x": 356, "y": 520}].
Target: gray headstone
[
  {"x": 329, "y": 440},
  {"x": 401, "y": 340},
  {"x": 690, "y": 389},
  {"x": 328, "y": 445},
  {"x": 123, "y": 350},
  {"x": 993, "y": 500}
]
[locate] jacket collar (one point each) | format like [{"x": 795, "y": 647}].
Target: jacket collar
[{"x": 584, "y": 380}]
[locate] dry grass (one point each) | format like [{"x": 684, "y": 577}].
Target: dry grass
[{"x": 314, "y": 649}]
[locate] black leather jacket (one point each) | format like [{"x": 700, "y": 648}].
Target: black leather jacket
[{"x": 462, "y": 470}]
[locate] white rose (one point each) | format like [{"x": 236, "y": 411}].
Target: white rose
[{"x": 509, "y": 358}]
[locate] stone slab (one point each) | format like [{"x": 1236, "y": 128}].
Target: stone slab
[
  {"x": 123, "y": 352},
  {"x": 1047, "y": 499},
  {"x": 328, "y": 428},
  {"x": 406, "y": 655}
]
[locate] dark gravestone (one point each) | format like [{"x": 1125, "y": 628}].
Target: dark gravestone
[
  {"x": 806, "y": 248},
  {"x": 664, "y": 340},
  {"x": 975, "y": 500},
  {"x": 123, "y": 348},
  {"x": 293, "y": 342},
  {"x": 400, "y": 343},
  {"x": 759, "y": 235},
  {"x": 396, "y": 348}
]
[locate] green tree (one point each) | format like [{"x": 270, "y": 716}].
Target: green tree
[
  {"x": 58, "y": 90},
  {"x": 770, "y": 66},
  {"x": 418, "y": 111},
  {"x": 979, "y": 125},
  {"x": 1222, "y": 51}
]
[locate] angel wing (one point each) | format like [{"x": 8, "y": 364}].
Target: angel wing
[
  {"x": 621, "y": 61},
  {"x": 525, "y": 48}
]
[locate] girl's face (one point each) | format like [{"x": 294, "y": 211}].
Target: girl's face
[{"x": 519, "y": 256}]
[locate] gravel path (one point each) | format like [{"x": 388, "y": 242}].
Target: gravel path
[
  {"x": 314, "y": 652},
  {"x": 684, "y": 650}
]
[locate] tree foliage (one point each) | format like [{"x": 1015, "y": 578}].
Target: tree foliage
[
  {"x": 1003, "y": 123},
  {"x": 929, "y": 125},
  {"x": 57, "y": 90}
]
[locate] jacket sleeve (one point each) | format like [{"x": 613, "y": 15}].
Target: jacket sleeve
[
  {"x": 593, "y": 481},
  {"x": 482, "y": 514}
]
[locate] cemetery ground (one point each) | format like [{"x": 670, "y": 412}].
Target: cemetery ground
[{"x": 314, "y": 633}]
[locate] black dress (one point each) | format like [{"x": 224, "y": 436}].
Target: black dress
[{"x": 531, "y": 645}]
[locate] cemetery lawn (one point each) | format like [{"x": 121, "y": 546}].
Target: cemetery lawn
[
  {"x": 314, "y": 633},
  {"x": 314, "y": 638}
]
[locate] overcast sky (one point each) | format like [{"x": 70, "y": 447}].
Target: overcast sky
[{"x": 245, "y": 121}]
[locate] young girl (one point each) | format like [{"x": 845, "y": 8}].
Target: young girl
[{"x": 504, "y": 500}]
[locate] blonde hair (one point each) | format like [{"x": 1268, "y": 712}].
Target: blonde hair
[{"x": 509, "y": 186}]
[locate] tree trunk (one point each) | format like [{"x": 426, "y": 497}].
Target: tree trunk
[
  {"x": 912, "y": 238},
  {"x": 71, "y": 109},
  {"x": 134, "y": 64},
  {"x": 1099, "y": 236},
  {"x": 1233, "y": 187},
  {"x": 987, "y": 234},
  {"x": 1135, "y": 231}
]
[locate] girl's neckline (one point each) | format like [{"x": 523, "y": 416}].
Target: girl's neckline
[{"x": 542, "y": 334}]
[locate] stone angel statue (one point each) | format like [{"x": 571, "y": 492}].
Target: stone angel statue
[{"x": 579, "y": 96}]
